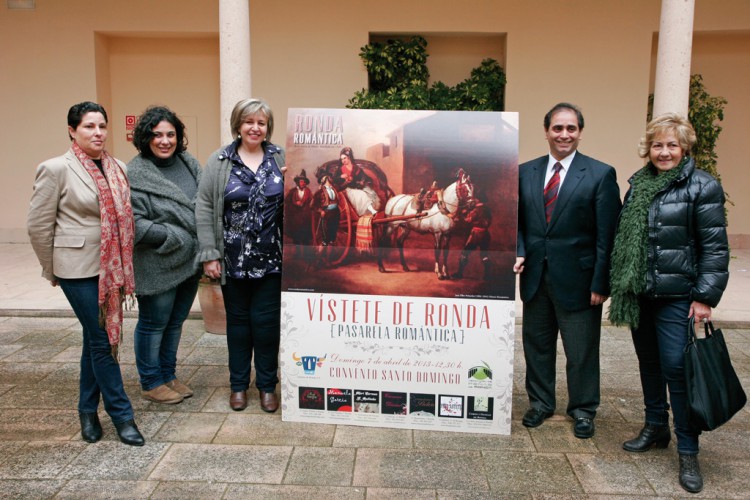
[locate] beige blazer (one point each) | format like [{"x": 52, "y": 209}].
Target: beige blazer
[{"x": 64, "y": 223}]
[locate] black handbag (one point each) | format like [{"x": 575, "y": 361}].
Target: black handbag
[{"x": 714, "y": 392}]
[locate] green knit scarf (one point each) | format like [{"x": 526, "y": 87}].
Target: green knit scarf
[{"x": 628, "y": 265}]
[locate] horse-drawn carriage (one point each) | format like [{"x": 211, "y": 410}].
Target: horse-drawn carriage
[
  {"x": 394, "y": 218},
  {"x": 352, "y": 203}
]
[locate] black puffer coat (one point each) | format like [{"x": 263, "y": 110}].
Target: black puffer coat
[{"x": 688, "y": 253}]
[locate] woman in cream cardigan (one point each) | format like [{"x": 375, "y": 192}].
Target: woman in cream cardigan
[{"x": 81, "y": 228}]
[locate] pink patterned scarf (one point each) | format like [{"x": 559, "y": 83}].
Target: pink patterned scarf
[{"x": 116, "y": 281}]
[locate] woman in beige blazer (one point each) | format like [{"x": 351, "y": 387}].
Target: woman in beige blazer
[{"x": 81, "y": 228}]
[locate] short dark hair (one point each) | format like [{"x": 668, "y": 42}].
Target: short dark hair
[
  {"x": 150, "y": 118},
  {"x": 562, "y": 106},
  {"x": 77, "y": 112}
]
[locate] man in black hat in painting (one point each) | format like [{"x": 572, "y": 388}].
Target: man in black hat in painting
[
  {"x": 325, "y": 202},
  {"x": 298, "y": 212}
]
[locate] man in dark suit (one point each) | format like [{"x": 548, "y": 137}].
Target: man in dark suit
[{"x": 567, "y": 212}]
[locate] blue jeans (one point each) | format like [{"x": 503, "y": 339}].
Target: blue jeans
[
  {"x": 157, "y": 334},
  {"x": 100, "y": 372},
  {"x": 253, "y": 321},
  {"x": 660, "y": 340}
]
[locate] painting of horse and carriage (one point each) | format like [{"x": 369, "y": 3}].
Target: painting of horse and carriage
[
  {"x": 410, "y": 203},
  {"x": 397, "y": 286}
]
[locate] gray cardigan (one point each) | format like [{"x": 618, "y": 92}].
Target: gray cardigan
[
  {"x": 157, "y": 200},
  {"x": 209, "y": 207}
]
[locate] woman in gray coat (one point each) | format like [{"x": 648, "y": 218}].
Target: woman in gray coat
[{"x": 164, "y": 181}]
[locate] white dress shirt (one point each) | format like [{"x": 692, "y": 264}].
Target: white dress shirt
[{"x": 565, "y": 162}]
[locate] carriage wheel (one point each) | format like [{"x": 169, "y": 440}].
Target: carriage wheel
[{"x": 344, "y": 236}]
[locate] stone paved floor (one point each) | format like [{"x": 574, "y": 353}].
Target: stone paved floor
[{"x": 201, "y": 449}]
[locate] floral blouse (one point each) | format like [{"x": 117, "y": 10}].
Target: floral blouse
[{"x": 253, "y": 216}]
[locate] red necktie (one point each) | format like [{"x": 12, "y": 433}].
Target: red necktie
[{"x": 550, "y": 191}]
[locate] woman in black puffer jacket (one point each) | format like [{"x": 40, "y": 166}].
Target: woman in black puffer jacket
[{"x": 669, "y": 267}]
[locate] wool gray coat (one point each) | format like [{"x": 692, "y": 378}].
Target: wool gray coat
[{"x": 157, "y": 200}]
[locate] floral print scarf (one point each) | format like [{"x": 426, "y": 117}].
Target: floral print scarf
[{"x": 116, "y": 280}]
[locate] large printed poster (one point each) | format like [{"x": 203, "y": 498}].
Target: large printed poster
[{"x": 397, "y": 289}]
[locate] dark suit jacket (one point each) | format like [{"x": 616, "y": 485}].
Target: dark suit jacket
[{"x": 578, "y": 240}]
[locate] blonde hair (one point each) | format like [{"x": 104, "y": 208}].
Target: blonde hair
[
  {"x": 668, "y": 122},
  {"x": 249, "y": 107}
]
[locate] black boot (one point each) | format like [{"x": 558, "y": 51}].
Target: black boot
[
  {"x": 650, "y": 436},
  {"x": 91, "y": 428},
  {"x": 690, "y": 473},
  {"x": 129, "y": 433}
]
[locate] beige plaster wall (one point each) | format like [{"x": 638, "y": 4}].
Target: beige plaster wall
[
  {"x": 181, "y": 73},
  {"x": 555, "y": 51},
  {"x": 723, "y": 58},
  {"x": 596, "y": 53},
  {"x": 56, "y": 55}
]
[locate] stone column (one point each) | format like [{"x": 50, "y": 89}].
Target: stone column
[
  {"x": 234, "y": 58},
  {"x": 672, "y": 84}
]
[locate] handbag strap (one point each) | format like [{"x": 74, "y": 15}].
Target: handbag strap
[
  {"x": 690, "y": 332},
  {"x": 708, "y": 327}
]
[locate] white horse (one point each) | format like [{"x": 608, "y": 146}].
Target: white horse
[{"x": 435, "y": 221}]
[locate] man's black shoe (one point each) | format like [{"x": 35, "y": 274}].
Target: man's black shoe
[
  {"x": 535, "y": 417},
  {"x": 584, "y": 427}
]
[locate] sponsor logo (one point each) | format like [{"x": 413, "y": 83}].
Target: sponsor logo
[
  {"x": 309, "y": 363},
  {"x": 481, "y": 372}
]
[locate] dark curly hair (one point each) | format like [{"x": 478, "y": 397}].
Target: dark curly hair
[
  {"x": 78, "y": 111},
  {"x": 150, "y": 118}
]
